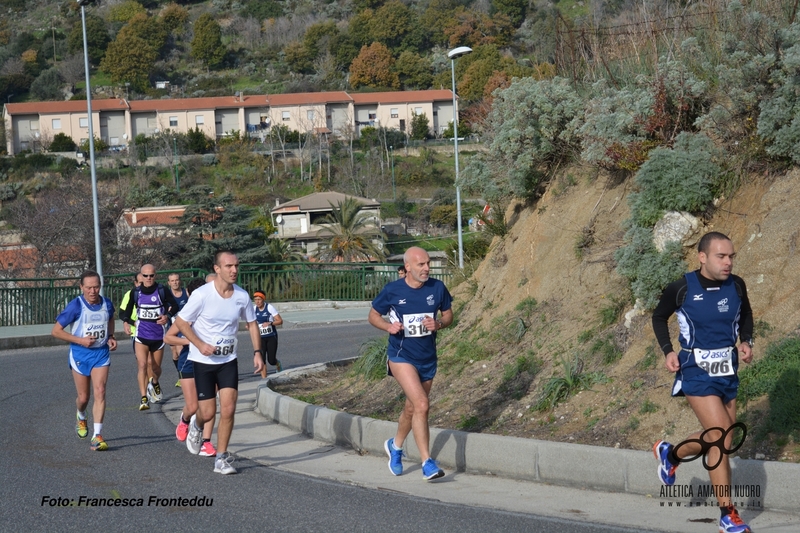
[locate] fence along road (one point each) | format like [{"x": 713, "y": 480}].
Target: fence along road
[{"x": 26, "y": 302}]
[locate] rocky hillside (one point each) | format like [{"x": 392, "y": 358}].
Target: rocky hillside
[{"x": 545, "y": 313}]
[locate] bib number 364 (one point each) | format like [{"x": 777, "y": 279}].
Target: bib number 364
[{"x": 224, "y": 346}]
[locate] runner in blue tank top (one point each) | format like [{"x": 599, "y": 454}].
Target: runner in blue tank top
[
  {"x": 412, "y": 305},
  {"x": 713, "y": 314},
  {"x": 268, "y": 320},
  {"x": 181, "y": 296},
  {"x": 91, "y": 339}
]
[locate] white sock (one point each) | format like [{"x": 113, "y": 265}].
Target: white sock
[
  {"x": 97, "y": 429},
  {"x": 394, "y": 446},
  {"x": 82, "y": 416}
]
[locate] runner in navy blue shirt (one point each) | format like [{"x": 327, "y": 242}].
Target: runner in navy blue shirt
[
  {"x": 412, "y": 305},
  {"x": 713, "y": 314},
  {"x": 181, "y": 296},
  {"x": 268, "y": 319}
]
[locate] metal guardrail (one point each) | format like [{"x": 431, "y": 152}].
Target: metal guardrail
[{"x": 39, "y": 301}]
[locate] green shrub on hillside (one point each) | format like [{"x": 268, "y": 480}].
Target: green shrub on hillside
[
  {"x": 648, "y": 270},
  {"x": 677, "y": 179},
  {"x": 533, "y": 129}
]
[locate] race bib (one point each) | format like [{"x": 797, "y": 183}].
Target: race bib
[
  {"x": 96, "y": 330},
  {"x": 224, "y": 346},
  {"x": 149, "y": 313},
  {"x": 265, "y": 329},
  {"x": 716, "y": 363},
  {"x": 412, "y": 325}
]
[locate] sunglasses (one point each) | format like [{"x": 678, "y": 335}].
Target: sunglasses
[{"x": 148, "y": 275}]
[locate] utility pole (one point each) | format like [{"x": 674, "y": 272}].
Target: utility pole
[{"x": 175, "y": 158}]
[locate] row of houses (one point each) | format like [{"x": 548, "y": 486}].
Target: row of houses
[{"x": 117, "y": 120}]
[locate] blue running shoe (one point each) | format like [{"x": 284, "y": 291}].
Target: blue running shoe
[
  {"x": 395, "y": 457},
  {"x": 666, "y": 470},
  {"x": 731, "y": 523},
  {"x": 430, "y": 470}
]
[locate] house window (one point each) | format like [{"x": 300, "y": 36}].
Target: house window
[
  {"x": 417, "y": 110},
  {"x": 395, "y": 112},
  {"x": 285, "y": 116},
  {"x": 373, "y": 116},
  {"x": 173, "y": 122},
  {"x": 34, "y": 125},
  {"x": 56, "y": 123},
  {"x": 83, "y": 122},
  {"x": 435, "y": 113},
  {"x": 199, "y": 119},
  {"x": 310, "y": 115}
]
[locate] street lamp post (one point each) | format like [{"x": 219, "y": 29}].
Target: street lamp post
[
  {"x": 453, "y": 54},
  {"x": 394, "y": 188},
  {"x": 96, "y": 212}
]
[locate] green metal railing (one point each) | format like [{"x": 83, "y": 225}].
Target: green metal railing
[{"x": 39, "y": 301}]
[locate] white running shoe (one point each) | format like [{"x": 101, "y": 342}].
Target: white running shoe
[
  {"x": 195, "y": 438},
  {"x": 222, "y": 465},
  {"x": 151, "y": 392}
]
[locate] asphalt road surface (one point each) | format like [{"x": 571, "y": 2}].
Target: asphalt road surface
[{"x": 52, "y": 481}]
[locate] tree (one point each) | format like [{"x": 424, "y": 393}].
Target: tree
[
  {"x": 515, "y": 10},
  {"x": 72, "y": 70},
  {"x": 125, "y": 11},
  {"x": 413, "y": 71},
  {"x": 373, "y": 68},
  {"x": 48, "y": 85},
  {"x": 174, "y": 17},
  {"x": 62, "y": 143},
  {"x": 129, "y": 59},
  {"x": 207, "y": 41},
  {"x": 149, "y": 29},
  {"x": 348, "y": 233},
  {"x": 97, "y": 38},
  {"x": 59, "y": 224},
  {"x": 420, "y": 127},
  {"x": 198, "y": 142},
  {"x": 213, "y": 224},
  {"x": 396, "y": 26}
]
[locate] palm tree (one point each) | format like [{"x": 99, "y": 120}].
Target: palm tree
[{"x": 349, "y": 233}]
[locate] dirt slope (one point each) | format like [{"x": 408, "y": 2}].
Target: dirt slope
[{"x": 536, "y": 305}]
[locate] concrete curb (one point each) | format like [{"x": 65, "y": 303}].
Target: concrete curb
[{"x": 559, "y": 463}]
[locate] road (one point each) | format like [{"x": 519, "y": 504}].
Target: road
[{"x": 47, "y": 470}]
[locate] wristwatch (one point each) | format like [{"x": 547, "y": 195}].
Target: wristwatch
[{"x": 751, "y": 342}]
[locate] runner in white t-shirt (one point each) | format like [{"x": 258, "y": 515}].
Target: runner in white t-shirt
[{"x": 210, "y": 321}]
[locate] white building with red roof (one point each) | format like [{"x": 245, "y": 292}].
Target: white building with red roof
[{"x": 117, "y": 121}]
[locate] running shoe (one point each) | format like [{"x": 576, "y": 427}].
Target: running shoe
[
  {"x": 182, "y": 430},
  {"x": 144, "y": 405},
  {"x": 207, "y": 449},
  {"x": 81, "y": 428},
  {"x": 195, "y": 437},
  {"x": 666, "y": 470},
  {"x": 157, "y": 391},
  {"x": 732, "y": 523},
  {"x": 98, "y": 444},
  {"x": 151, "y": 392},
  {"x": 430, "y": 470},
  {"x": 279, "y": 366},
  {"x": 222, "y": 465},
  {"x": 395, "y": 457}
]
